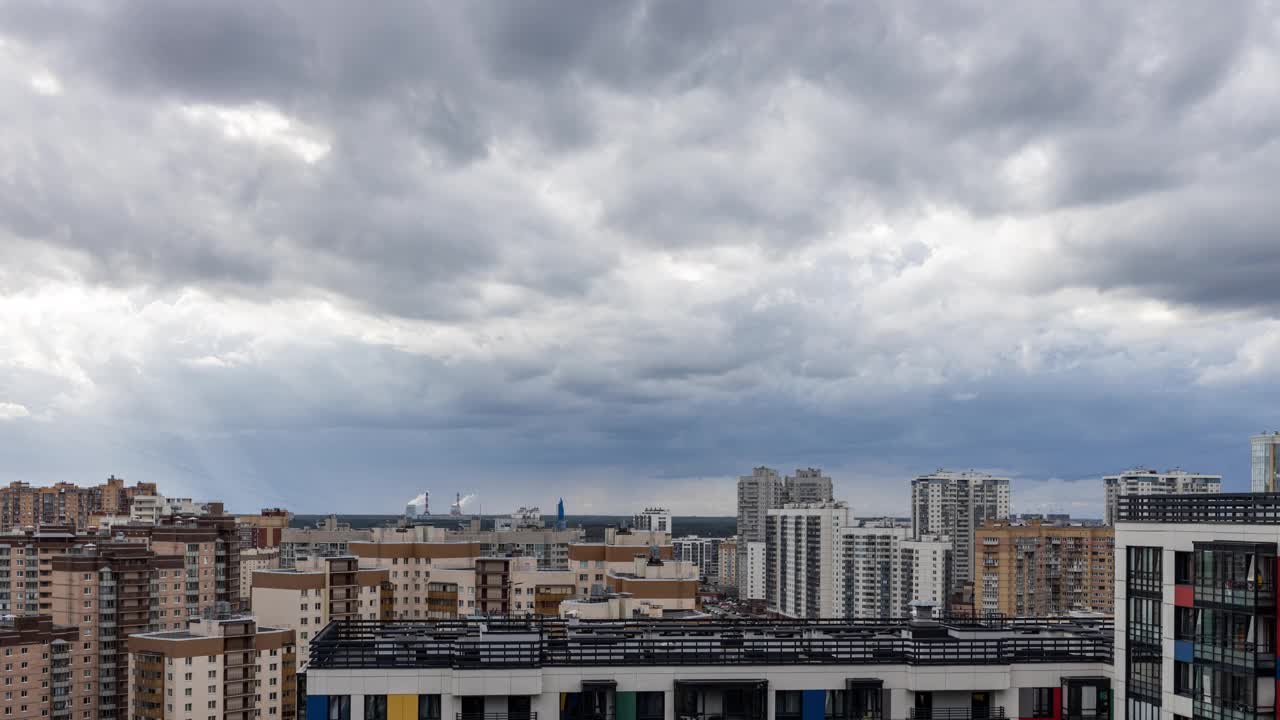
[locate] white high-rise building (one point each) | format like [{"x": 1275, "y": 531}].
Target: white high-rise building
[
  {"x": 652, "y": 518},
  {"x": 955, "y": 504},
  {"x": 801, "y": 557},
  {"x": 704, "y": 553},
  {"x": 1264, "y": 462},
  {"x": 763, "y": 490},
  {"x": 1141, "y": 481},
  {"x": 874, "y": 571},
  {"x": 753, "y": 571},
  {"x": 882, "y": 570},
  {"x": 930, "y": 568}
]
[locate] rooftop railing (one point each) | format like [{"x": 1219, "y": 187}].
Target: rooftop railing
[
  {"x": 1245, "y": 508},
  {"x": 360, "y": 644}
]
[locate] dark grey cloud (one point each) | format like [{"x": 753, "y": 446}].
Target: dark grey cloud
[{"x": 566, "y": 241}]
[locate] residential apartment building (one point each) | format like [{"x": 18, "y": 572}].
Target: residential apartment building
[
  {"x": 210, "y": 550},
  {"x": 1037, "y": 569},
  {"x": 764, "y": 490},
  {"x": 305, "y": 599},
  {"x": 264, "y": 530},
  {"x": 652, "y": 518},
  {"x": 801, "y": 566},
  {"x": 930, "y": 569},
  {"x": 874, "y": 572},
  {"x": 641, "y": 564},
  {"x": 329, "y": 538},
  {"x": 1264, "y": 462},
  {"x": 106, "y": 592},
  {"x": 227, "y": 668},
  {"x": 741, "y": 670},
  {"x": 252, "y": 560},
  {"x": 1196, "y": 606},
  {"x": 37, "y": 667},
  {"x": 727, "y": 577},
  {"x": 704, "y": 553},
  {"x": 955, "y": 504},
  {"x": 26, "y": 565},
  {"x": 1142, "y": 481},
  {"x": 753, "y": 572},
  {"x": 882, "y": 570},
  {"x": 66, "y": 504}
]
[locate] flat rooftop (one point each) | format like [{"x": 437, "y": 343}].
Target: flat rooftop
[{"x": 525, "y": 643}]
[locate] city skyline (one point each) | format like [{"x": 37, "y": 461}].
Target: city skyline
[{"x": 530, "y": 251}]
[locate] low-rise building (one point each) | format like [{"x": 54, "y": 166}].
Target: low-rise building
[{"x": 225, "y": 668}]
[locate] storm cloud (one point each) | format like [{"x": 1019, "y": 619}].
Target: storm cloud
[{"x": 623, "y": 252}]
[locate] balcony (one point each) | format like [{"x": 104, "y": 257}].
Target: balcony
[{"x": 960, "y": 713}]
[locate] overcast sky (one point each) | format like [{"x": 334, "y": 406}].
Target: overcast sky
[{"x": 328, "y": 255}]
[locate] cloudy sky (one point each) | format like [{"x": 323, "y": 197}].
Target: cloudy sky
[{"x": 331, "y": 254}]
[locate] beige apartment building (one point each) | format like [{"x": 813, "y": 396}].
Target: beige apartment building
[
  {"x": 37, "y": 667},
  {"x": 639, "y": 564},
  {"x": 26, "y": 559},
  {"x": 307, "y": 598},
  {"x": 216, "y": 669},
  {"x": 65, "y": 504},
  {"x": 210, "y": 549},
  {"x": 252, "y": 560},
  {"x": 1036, "y": 569}
]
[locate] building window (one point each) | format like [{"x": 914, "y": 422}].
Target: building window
[
  {"x": 428, "y": 707},
  {"x": 788, "y": 705},
  {"x": 1184, "y": 623},
  {"x": 375, "y": 707},
  {"x": 1184, "y": 568},
  {"x": 339, "y": 707},
  {"x": 1183, "y": 678}
]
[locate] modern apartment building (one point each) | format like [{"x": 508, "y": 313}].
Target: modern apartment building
[
  {"x": 1143, "y": 481},
  {"x": 743, "y": 670},
  {"x": 1038, "y": 569},
  {"x": 652, "y": 518},
  {"x": 955, "y": 504},
  {"x": 65, "y": 504},
  {"x": 764, "y": 490},
  {"x": 306, "y": 599},
  {"x": 802, "y": 543},
  {"x": 753, "y": 571},
  {"x": 704, "y": 553},
  {"x": 227, "y": 668},
  {"x": 1196, "y": 606},
  {"x": 930, "y": 569},
  {"x": 329, "y": 538},
  {"x": 1264, "y": 462},
  {"x": 882, "y": 570},
  {"x": 37, "y": 667},
  {"x": 874, "y": 572}
]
